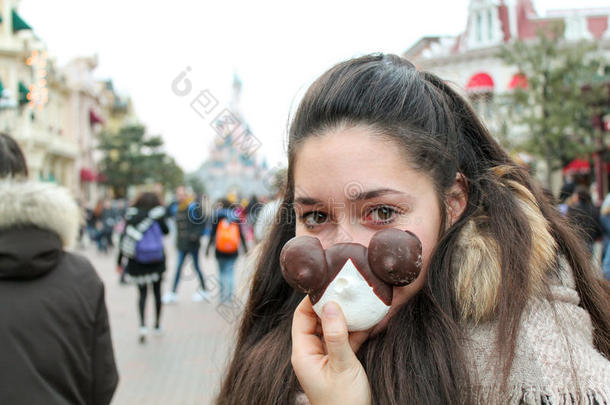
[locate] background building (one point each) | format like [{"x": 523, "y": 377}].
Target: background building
[
  {"x": 34, "y": 100},
  {"x": 470, "y": 60},
  {"x": 55, "y": 113},
  {"x": 230, "y": 169}
]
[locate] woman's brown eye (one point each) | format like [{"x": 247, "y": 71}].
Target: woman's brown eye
[
  {"x": 384, "y": 213},
  {"x": 380, "y": 215},
  {"x": 314, "y": 218}
]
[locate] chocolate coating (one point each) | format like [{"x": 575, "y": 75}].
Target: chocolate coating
[
  {"x": 338, "y": 254},
  {"x": 304, "y": 264},
  {"x": 395, "y": 256}
]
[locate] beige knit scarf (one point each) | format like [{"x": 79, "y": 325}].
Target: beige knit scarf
[{"x": 555, "y": 359}]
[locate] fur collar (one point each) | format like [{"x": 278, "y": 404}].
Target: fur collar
[
  {"x": 44, "y": 205},
  {"x": 477, "y": 261}
]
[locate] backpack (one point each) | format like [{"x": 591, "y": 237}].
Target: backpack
[
  {"x": 227, "y": 236},
  {"x": 149, "y": 249}
]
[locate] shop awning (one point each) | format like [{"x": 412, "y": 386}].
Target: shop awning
[
  {"x": 94, "y": 118},
  {"x": 87, "y": 175},
  {"x": 23, "y": 93},
  {"x": 18, "y": 23},
  {"x": 480, "y": 82},
  {"x": 519, "y": 80},
  {"x": 1, "y": 88},
  {"x": 577, "y": 166}
]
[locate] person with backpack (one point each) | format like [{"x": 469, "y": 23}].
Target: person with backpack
[
  {"x": 226, "y": 235},
  {"x": 142, "y": 244}
]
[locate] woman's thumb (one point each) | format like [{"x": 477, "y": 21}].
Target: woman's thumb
[{"x": 340, "y": 354}]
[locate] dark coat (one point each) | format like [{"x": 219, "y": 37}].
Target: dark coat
[
  {"x": 190, "y": 223},
  {"x": 586, "y": 218},
  {"x": 54, "y": 334}
]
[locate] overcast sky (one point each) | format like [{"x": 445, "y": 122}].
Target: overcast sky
[{"x": 276, "y": 48}]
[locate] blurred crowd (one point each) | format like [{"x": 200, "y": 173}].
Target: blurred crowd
[
  {"x": 593, "y": 221},
  {"x": 230, "y": 225}
]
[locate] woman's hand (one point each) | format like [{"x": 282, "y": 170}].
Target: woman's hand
[{"x": 327, "y": 367}]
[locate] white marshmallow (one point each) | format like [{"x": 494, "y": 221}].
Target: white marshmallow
[{"x": 362, "y": 308}]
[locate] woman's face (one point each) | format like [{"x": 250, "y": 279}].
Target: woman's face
[{"x": 351, "y": 183}]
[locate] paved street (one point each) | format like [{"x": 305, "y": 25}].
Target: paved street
[{"x": 184, "y": 366}]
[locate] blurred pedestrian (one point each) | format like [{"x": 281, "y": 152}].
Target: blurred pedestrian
[
  {"x": 567, "y": 190},
  {"x": 605, "y": 223},
  {"x": 252, "y": 210},
  {"x": 268, "y": 212},
  {"x": 584, "y": 215},
  {"x": 141, "y": 243},
  {"x": 55, "y": 336},
  {"x": 90, "y": 222},
  {"x": 190, "y": 223},
  {"x": 226, "y": 235},
  {"x": 108, "y": 220},
  {"x": 104, "y": 220},
  {"x": 82, "y": 228}
]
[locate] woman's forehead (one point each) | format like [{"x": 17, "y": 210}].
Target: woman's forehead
[{"x": 345, "y": 162}]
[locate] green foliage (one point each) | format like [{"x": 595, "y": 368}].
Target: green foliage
[
  {"x": 565, "y": 92},
  {"x": 132, "y": 158}
]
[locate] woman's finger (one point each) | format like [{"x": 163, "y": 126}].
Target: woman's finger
[
  {"x": 340, "y": 354},
  {"x": 304, "y": 325},
  {"x": 356, "y": 339},
  {"x": 319, "y": 332}
]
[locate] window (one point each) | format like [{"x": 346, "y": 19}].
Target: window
[
  {"x": 482, "y": 103},
  {"x": 489, "y": 25},
  {"x": 479, "y": 27}
]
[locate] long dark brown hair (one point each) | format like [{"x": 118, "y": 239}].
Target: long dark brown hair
[
  {"x": 146, "y": 201},
  {"x": 420, "y": 356}
]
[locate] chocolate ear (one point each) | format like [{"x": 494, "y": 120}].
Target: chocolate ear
[
  {"x": 395, "y": 256},
  {"x": 304, "y": 264}
]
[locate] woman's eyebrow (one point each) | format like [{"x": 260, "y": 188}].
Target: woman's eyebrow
[
  {"x": 367, "y": 195},
  {"x": 358, "y": 196},
  {"x": 306, "y": 201}
]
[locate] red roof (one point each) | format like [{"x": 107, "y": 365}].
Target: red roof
[
  {"x": 577, "y": 166},
  {"x": 518, "y": 80},
  {"x": 94, "y": 118},
  {"x": 87, "y": 175},
  {"x": 597, "y": 25},
  {"x": 480, "y": 82}
]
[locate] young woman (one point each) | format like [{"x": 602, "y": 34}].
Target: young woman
[
  {"x": 506, "y": 308},
  {"x": 142, "y": 244}
]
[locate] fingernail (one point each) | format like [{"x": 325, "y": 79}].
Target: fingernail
[{"x": 330, "y": 309}]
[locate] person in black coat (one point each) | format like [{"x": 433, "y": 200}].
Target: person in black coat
[
  {"x": 190, "y": 224},
  {"x": 55, "y": 335},
  {"x": 585, "y": 216}
]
